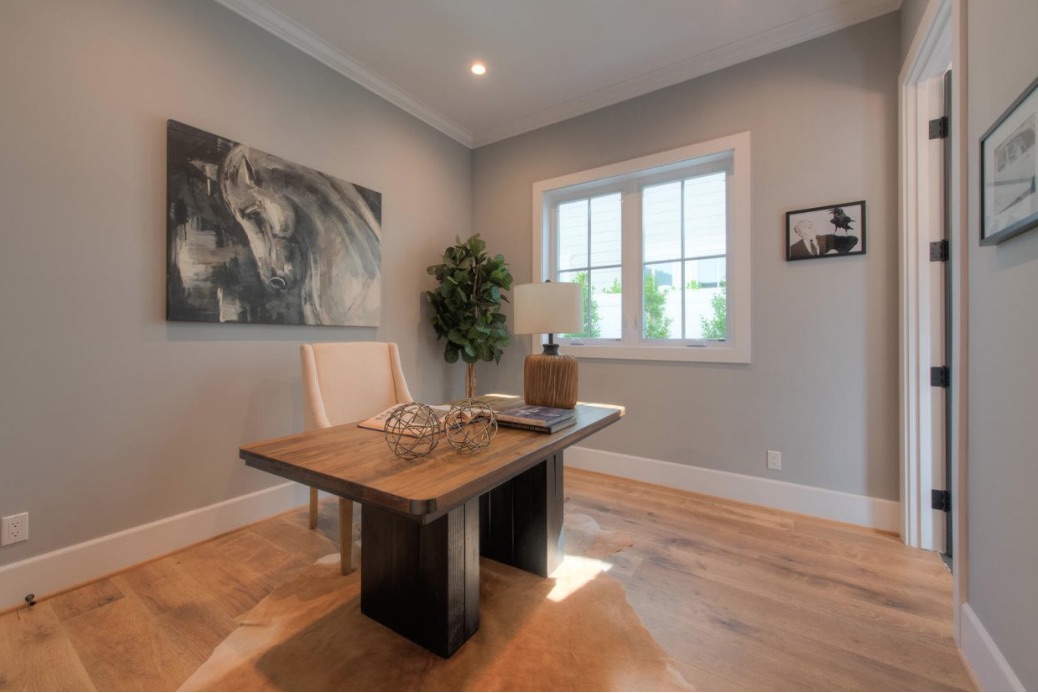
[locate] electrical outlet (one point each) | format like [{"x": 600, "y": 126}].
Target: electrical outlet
[
  {"x": 14, "y": 528},
  {"x": 775, "y": 460}
]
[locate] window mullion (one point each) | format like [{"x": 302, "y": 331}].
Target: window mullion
[
  {"x": 681, "y": 263},
  {"x": 553, "y": 249},
  {"x": 590, "y": 291},
  {"x": 631, "y": 245}
]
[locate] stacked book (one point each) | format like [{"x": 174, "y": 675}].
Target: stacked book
[{"x": 534, "y": 418}]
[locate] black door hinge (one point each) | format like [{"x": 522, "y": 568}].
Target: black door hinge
[
  {"x": 939, "y": 251},
  {"x": 939, "y": 128},
  {"x": 940, "y": 376},
  {"x": 940, "y": 500}
]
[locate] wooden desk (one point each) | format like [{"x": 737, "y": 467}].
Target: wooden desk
[{"x": 425, "y": 522}]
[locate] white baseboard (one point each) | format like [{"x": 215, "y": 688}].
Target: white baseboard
[
  {"x": 74, "y": 565},
  {"x": 990, "y": 668},
  {"x": 876, "y": 513}
]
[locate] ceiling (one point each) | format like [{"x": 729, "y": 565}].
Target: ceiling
[{"x": 547, "y": 60}]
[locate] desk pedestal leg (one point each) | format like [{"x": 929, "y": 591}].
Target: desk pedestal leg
[
  {"x": 521, "y": 520},
  {"x": 422, "y": 580}
]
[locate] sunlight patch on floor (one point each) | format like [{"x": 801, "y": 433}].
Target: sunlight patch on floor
[{"x": 574, "y": 573}]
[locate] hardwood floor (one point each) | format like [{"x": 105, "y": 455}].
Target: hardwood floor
[{"x": 742, "y": 597}]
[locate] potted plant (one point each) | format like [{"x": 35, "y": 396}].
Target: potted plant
[{"x": 467, "y": 305}]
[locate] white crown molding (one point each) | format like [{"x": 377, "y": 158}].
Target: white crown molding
[
  {"x": 818, "y": 24},
  {"x": 266, "y": 17}
]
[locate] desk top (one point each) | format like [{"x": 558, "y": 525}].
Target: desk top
[{"x": 356, "y": 463}]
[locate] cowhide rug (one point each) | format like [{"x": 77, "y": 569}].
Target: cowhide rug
[{"x": 574, "y": 631}]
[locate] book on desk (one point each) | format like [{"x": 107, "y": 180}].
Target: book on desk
[
  {"x": 536, "y": 418},
  {"x": 509, "y": 410},
  {"x": 558, "y": 426}
]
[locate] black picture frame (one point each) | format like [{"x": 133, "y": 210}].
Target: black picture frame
[
  {"x": 1009, "y": 171},
  {"x": 846, "y": 237}
]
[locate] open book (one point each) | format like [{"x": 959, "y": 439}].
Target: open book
[{"x": 378, "y": 421}]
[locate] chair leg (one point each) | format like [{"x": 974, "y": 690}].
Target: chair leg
[
  {"x": 345, "y": 536},
  {"x": 313, "y": 508}
]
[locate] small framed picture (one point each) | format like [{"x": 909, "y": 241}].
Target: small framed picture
[
  {"x": 1008, "y": 169},
  {"x": 829, "y": 231}
]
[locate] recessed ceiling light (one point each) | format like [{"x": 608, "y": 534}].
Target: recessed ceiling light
[{"x": 479, "y": 69}]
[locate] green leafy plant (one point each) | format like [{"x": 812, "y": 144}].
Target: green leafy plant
[
  {"x": 716, "y": 327},
  {"x": 657, "y": 323},
  {"x": 592, "y": 328},
  {"x": 467, "y": 305}
]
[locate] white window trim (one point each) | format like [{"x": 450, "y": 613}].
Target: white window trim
[{"x": 736, "y": 349}]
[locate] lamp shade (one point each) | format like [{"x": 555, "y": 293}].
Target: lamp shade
[{"x": 551, "y": 307}]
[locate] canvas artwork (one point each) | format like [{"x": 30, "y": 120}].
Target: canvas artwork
[
  {"x": 829, "y": 231},
  {"x": 254, "y": 238}
]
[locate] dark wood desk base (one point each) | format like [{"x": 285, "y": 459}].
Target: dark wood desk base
[
  {"x": 422, "y": 580},
  {"x": 520, "y": 521}
]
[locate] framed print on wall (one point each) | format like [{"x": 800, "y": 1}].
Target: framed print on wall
[
  {"x": 1008, "y": 170},
  {"x": 829, "y": 231},
  {"x": 254, "y": 238}
]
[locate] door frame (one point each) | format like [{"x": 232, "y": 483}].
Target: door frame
[
  {"x": 939, "y": 42},
  {"x": 918, "y": 76}
]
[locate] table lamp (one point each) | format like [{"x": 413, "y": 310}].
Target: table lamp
[{"x": 549, "y": 379}]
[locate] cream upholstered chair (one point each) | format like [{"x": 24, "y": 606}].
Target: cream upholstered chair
[{"x": 345, "y": 382}]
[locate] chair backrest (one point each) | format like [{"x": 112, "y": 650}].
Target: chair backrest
[{"x": 350, "y": 381}]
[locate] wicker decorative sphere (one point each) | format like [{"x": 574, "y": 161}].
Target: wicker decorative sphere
[
  {"x": 412, "y": 430},
  {"x": 470, "y": 425}
]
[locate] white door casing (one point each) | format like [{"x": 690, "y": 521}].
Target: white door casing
[{"x": 921, "y": 282}]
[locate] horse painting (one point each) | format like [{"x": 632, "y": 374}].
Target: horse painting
[{"x": 280, "y": 243}]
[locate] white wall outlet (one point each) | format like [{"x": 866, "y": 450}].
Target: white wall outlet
[
  {"x": 775, "y": 460},
  {"x": 14, "y": 528}
]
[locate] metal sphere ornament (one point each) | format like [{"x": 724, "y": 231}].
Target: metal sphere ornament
[
  {"x": 412, "y": 430},
  {"x": 470, "y": 425}
]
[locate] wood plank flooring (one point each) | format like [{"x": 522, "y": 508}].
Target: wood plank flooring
[
  {"x": 749, "y": 598},
  {"x": 742, "y": 597}
]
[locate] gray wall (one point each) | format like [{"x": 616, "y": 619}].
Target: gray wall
[
  {"x": 912, "y": 12},
  {"x": 111, "y": 417},
  {"x": 822, "y": 387},
  {"x": 1003, "y": 341}
]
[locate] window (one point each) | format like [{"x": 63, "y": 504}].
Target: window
[{"x": 661, "y": 248}]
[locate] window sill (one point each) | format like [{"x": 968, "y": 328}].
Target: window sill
[{"x": 701, "y": 354}]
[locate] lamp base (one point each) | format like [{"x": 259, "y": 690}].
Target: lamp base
[{"x": 550, "y": 381}]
